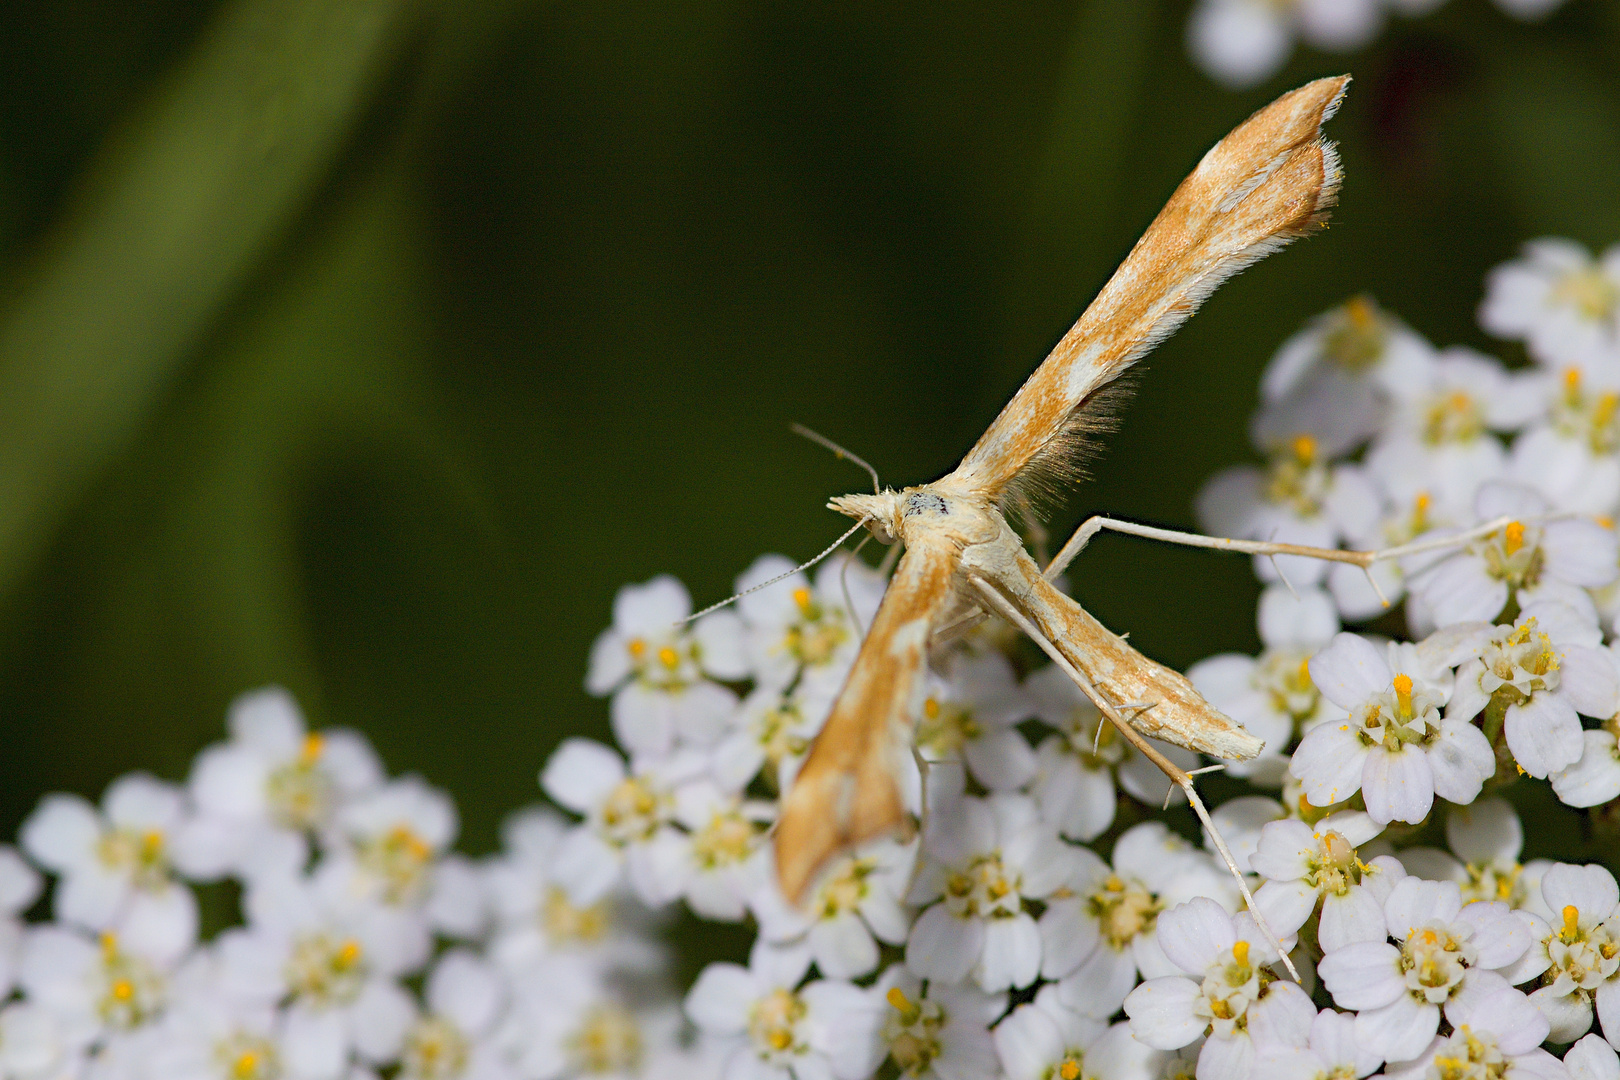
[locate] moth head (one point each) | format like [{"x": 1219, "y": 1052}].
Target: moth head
[{"x": 881, "y": 511}]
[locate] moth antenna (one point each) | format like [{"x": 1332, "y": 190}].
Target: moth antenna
[
  {"x": 822, "y": 440},
  {"x": 1219, "y": 766},
  {"x": 779, "y": 577},
  {"x": 843, "y": 587}
]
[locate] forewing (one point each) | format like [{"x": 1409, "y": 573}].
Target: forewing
[
  {"x": 1269, "y": 181},
  {"x": 849, "y": 788}
]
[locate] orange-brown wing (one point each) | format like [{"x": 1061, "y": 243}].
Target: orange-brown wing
[
  {"x": 849, "y": 788},
  {"x": 1266, "y": 183}
]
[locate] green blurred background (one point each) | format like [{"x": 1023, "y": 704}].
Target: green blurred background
[{"x": 368, "y": 347}]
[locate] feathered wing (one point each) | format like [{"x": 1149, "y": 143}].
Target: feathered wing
[
  {"x": 1270, "y": 180},
  {"x": 849, "y": 790}
]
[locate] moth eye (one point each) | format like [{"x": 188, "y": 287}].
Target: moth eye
[{"x": 880, "y": 531}]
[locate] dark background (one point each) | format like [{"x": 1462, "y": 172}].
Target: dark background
[{"x": 368, "y": 347}]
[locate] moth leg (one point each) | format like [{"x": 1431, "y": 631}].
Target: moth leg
[
  {"x": 994, "y": 600},
  {"x": 1364, "y": 559}
]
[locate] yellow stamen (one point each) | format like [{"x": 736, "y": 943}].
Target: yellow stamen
[
  {"x": 897, "y": 998},
  {"x": 123, "y": 990},
  {"x": 109, "y": 945},
  {"x": 246, "y": 1065},
  {"x": 1571, "y": 914},
  {"x": 931, "y": 709},
  {"x": 151, "y": 844},
  {"x": 1220, "y": 1009},
  {"x": 1360, "y": 311},
  {"x": 1572, "y": 381},
  {"x": 1113, "y": 884},
  {"x": 1304, "y": 674},
  {"x": 1069, "y": 1070},
  {"x": 1304, "y": 447},
  {"x": 1603, "y": 414},
  {"x": 669, "y": 658},
  {"x": 310, "y": 752},
  {"x": 637, "y": 647},
  {"x": 1513, "y": 537},
  {"x": 1403, "y": 694},
  {"x": 1240, "y": 953},
  {"x": 348, "y": 954},
  {"x": 801, "y": 598}
]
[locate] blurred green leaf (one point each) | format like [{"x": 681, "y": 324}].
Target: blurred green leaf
[{"x": 180, "y": 210}]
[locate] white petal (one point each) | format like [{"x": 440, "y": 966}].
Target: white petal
[
  {"x": 62, "y": 833},
  {"x": 1400, "y": 1030},
  {"x": 580, "y": 773},
  {"x": 1350, "y": 670},
  {"x": 1356, "y": 916},
  {"x": 1363, "y": 975},
  {"x": 1397, "y": 786},
  {"x": 1161, "y": 1012},
  {"x": 1544, "y": 734},
  {"x": 1011, "y": 955},
  {"x": 1594, "y": 779},
  {"x": 943, "y": 946},
  {"x": 722, "y": 998},
  {"x": 1592, "y": 1059}
]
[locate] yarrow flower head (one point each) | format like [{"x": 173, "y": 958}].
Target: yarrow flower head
[{"x": 1394, "y": 746}]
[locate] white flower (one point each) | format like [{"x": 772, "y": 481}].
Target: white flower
[
  {"x": 658, "y": 668},
  {"x": 207, "y": 1037},
  {"x": 1578, "y": 956},
  {"x": 1487, "y": 839},
  {"x": 1298, "y": 499},
  {"x": 100, "y": 992},
  {"x": 259, "y": 795},
  {"x": 1243, "y": 42},
  {"x": 465, "y": 998},
  {"x": 1230, "y": 997},
  {"x": 1570, "y": 456},
  {"x": 117, "y": 865},
  {"x": 941, "y": 1032},
  {"x": 628, "y": 822},
  {"x": 776, "y": 1029},
  {"x": 773, "y": 729},
  {"x": 1334, "y": 379},
  {"x": 857, "y": 900},
  {"x": 395, "y": 868},
  {"x": 535, "y": 920},
  {"x": 970, "y": 714},
  {"x": 1076, "y": 767},
  {"x": 1043, "y": 1040},
  {"x": 1438, "y": 440},
  {"x": 1560, "y": 301},
  {"x": 1393, "y": 747},
  {"x": 1444, "y": 954},
  {"x": 330, "y": 967},
  {"x": 1309, "y": 870},
  {"x": 796, "y": 631},
  {"x": 725, "y": 853},
  {"x": 1108, "y": 925},
  {"x": 1475, "y": 582},
  {"x": 1272, "y": 695},
  {"x": 982, "y": 859},
  {"x": 1532, "y": 679},
  {"x": 1332, "y": 1051},
  {"x": 1497, "y": 1034}
]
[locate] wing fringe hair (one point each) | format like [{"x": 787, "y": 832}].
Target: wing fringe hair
[{"x": 1269, "y": 182}]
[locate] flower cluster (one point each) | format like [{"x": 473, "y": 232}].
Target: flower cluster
[
  {"x": 1048, "y": 920},
  {"x": 364, "y": 945},
  {"x": 1241, "y": 43}
]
